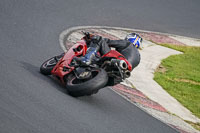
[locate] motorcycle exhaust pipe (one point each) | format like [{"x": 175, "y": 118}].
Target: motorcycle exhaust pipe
[
  {"x": 127, "y": 74},
  {"x": 122, "y": 64}
]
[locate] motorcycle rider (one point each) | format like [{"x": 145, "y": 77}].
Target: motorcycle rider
[{"x": 127, "y": 47}]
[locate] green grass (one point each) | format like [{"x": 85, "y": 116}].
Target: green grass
[{"x": 179, "y": 75}]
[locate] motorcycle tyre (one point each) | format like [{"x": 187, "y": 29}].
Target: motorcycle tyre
[
  {"x": 88, "y": 87},
  {"x": 46, "y": 70}
]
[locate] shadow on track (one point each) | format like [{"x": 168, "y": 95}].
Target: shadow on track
[
  {"x": 100, "y": 101},
  {"x": 34, "y": 70}
]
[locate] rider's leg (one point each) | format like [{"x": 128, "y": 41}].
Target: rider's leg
[
  {"x": 104, "y": 48},
  {"x": 132, "y": 54},
  {"x": 100, "y": 46},
  {"x": 89, "y": 56}
]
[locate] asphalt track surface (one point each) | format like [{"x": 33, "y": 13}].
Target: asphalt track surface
[{"x": 29, "y": 30}]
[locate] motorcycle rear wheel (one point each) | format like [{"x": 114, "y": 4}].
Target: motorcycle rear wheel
[{"x": 77, "y": 87}]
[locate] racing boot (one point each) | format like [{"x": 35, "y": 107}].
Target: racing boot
[
  {"x": 89, "y": 57},
  {"x": 91, "y": 53}
]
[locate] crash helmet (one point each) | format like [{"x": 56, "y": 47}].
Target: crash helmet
[{"x": 135, "y": 39}]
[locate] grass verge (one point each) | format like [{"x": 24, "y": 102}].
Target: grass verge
[{"x": 179, "y": 75}]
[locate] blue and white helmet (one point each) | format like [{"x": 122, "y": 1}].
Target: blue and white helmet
[{"x": 135, "y": 39}]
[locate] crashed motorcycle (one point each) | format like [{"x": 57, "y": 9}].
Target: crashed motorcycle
[{"x": 107, "y": 70}]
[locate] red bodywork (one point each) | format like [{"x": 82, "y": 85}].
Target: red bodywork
[{"x": 59, "y": 71}]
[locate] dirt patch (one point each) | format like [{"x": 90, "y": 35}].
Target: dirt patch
[
  {"x": 187, "y": 81},
  {"x": 161, "y": 69},
  {"x": 195, "y": 125}
]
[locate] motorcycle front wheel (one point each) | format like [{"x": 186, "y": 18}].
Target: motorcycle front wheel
[
  {"x": 48, "y": 66},
  {"x": 79, "y": 87}
]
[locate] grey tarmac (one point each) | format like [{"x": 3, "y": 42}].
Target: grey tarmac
[{"x": 29, "y": 30}]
